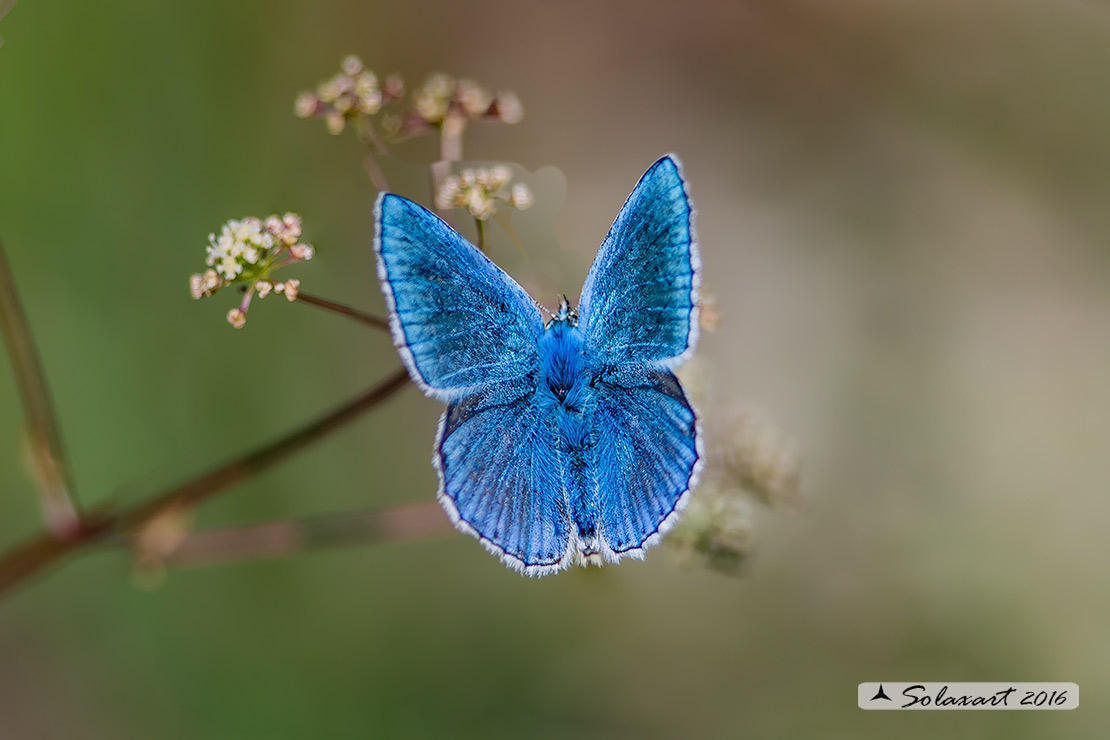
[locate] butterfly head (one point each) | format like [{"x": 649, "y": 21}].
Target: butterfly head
[{"x": 564, "y": 313}]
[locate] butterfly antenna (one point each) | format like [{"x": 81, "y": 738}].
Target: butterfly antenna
[{"x": 545, "y": 310}]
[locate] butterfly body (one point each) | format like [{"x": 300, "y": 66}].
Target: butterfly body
[
  {"x": 567, "y": 382},
  {"x": 563, "y": 443}
]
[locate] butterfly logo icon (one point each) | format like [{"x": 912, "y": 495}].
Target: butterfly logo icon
[{"x": 563, "y": 443}]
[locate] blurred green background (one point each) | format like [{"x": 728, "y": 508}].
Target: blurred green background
[{"x": 903, "y": 208}]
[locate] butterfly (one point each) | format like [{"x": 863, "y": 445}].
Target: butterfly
[{"x": 565, "y": 442}]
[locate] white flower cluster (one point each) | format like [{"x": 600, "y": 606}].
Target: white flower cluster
[
  {"x": 247, "y": 251},
  {"x": 448, "y": 104},
  {"x": 480, "y": 191},
  {"x": 353, "y": 92},
  {"x": 433, "y": 100},
  {"x": 240, "y": 243}
]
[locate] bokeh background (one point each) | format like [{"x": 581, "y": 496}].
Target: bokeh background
[{"x": 904, "y": 217}]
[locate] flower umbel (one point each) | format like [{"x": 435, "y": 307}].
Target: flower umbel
[
  {"x": 246, "y": 252},
  {"x": 447, "y": 104},
  {"x": 354, "y": 92},
  {"x": 481, "y": 190}
]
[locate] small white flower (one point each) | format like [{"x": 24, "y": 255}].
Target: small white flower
[
  {"x": 521, "y": 197},
  {"x": 229, "y": 267},
  {"x": 472, "y": 97},
  {"x": 509, "y": 108},
  {"x": 431, "y": 109},
  {"x": 480, "y": 205},
  {"x": 236, "y": 318},
  {"x": 439, "y": 85},
  {"x": 292, "y": 288},
  {"x": 448, "y": 194},
  {"x": 306, "y": 105},
  {"x": 302, "y": 251},
  {"x": 330, "y": 91},
  {"x": 499, "y": 176},
  {"x": 351, "y": 65},
  {"x": 292, "y": 222}
]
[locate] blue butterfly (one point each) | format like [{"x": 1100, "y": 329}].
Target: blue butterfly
[{"x": 570, "y": 442}]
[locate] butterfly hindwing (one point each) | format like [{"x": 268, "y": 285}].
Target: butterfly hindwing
[
  {"x": 647, "y": 455},
  {"x": 639, "y": 302},
  {"x": 501, "y": 479},
  {"x": 459, "y": 322}
]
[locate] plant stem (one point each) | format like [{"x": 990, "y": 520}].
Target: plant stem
[
  {"x": 450, "y": 142},
  {"x": 45, "y": 550},
  {"x": 284, "y": 537},
  {"x": 344, "y": 310},
  {"x": 375, "y": 172},
  {"x": 369, "y": 136},
  {"x": 55, "y": 483},
  {"x": 450, "y": 150},
  {"x": 480, "y": 225}
]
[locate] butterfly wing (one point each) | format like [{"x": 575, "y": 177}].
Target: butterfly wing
[
  {"x": 638, "y": 315},
  {"x": 647, "y": 455},
  {"x": 501, "y": 480},
  {"x": 459, "y": 322},
  {"x": 640, "y": 299}
]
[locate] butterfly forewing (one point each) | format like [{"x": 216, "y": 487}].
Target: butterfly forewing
[
  {"x": 639, "y": 302},
  {"x": 459, "y": 322}
]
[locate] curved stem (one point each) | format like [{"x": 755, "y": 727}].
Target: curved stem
[
  {"x": 368, "y": 134},
  {"x": 344, "y": 310},
  {"x": 480, "y": 225},
  {"x": 54, "y": 480},
  {"x": 45, "y": 550},
  {"x": 284, "y": 537}
]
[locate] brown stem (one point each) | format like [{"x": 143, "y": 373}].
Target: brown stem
[
  {"x": 344, "y": 310},
  {"x": 369, "y": 136},
  {"x": 46, "y": 550},
  {"x": 375, "y": 172},
  {"x": 285, "y": 537},
  {"x": 55, "y": 483}
]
